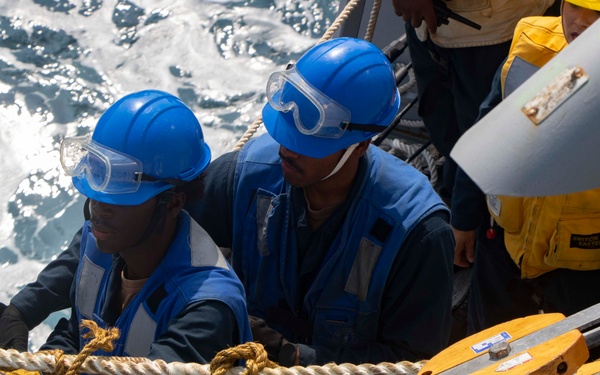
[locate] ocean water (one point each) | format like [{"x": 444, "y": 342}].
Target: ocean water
[{"x": 63, "y": 62}]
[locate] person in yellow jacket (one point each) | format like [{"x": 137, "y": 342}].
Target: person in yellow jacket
[{"x": 538, "y": 253}]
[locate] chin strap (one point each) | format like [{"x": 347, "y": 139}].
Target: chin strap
[
  {"x": 159, "y": 217},
  {"x": 342, "y": 161},
  {"x": 86, "y": 209}
]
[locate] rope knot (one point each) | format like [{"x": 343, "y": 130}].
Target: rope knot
[
  {"x": 100, "y": 339},
  {"x": 254, "y": 353}
]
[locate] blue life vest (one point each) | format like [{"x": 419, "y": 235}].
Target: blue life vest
[
  {"x": 192, "y": 270},
  {"x": 343, "y": 303}
]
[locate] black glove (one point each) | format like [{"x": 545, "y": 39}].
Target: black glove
[
  {"x": 14, "y": 333},
  {"x": 273, "y": 341}
]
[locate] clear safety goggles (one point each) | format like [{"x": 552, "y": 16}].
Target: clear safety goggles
[
  {"x": 314, "y": 112},
  {"x": 105, "y": 170}
]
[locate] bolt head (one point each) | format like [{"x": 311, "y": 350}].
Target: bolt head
[{"x": 499, "y": 350}]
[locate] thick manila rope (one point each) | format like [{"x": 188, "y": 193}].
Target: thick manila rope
[
  {"x": 44, "y": 362},
  {"x": 13, "y": 362}
]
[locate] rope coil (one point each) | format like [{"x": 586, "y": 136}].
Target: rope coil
[{"x": 427, "y": 161}]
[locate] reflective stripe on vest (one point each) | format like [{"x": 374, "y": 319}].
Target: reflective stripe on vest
[{"x": 141, "y": 334}]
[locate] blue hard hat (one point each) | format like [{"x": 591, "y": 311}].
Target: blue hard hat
[
  {"x": 340, "y": 81},
  {"x": 150, "y": 134}
]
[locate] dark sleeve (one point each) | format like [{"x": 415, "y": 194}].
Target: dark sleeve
[
  {"x": 50, "y": 291},
  {"x": 65, "y": 335},
  {"x": 468, "y": 201},
  {"x": 214, "y": 212},
  {"x": 416, "y": 313},
  {"x": 199, "y": 332},
  {"x": 495, "y": 95}
]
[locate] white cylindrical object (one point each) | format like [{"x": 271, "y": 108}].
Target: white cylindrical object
[{"x": 507, "y": 153}]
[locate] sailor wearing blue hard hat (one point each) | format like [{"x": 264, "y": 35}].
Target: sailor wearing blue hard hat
[
  {"x": 146, "y": 267},
  {"x": 323, "y": 221}
]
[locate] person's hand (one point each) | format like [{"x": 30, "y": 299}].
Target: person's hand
[
  {"x": 464, "y": 251},
  {"x": 14, "y": 333},
  {"x": 273, "y": 342},
  {"x": 415, "y": 12}
]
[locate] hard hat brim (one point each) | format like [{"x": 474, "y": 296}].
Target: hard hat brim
[
  {"x": 146, "y": 191},
  {"x": 589, "y": 4}
]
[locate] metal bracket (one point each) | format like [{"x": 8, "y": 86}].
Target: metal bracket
[{"x": 555, "y": 93}]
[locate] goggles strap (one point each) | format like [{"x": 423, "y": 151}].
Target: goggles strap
[
  {"x": 159, "y": 217},
  {"x": 364, "y": 127},
  {"x": 171, "y": 181},
  {"x": 86, "y": 209},
  {"x": 342, "y": 161}
]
